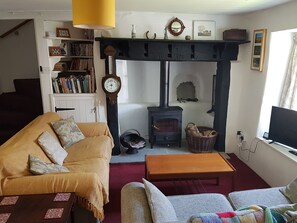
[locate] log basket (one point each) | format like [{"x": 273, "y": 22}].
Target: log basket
[{"x": 200, "y": 139}]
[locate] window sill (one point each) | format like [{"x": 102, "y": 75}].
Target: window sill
[{"x": 282, "y": 149}]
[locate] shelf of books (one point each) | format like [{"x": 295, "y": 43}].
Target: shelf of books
[
  {"x": 74, "y": 82},
  {"x": 72, "y": 65}
]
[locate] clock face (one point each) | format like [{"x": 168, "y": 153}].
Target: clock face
[{"x": 111, "y": 85}]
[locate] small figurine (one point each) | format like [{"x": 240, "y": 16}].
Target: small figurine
[
  {"x": 188, "y": 37},
  {"x": 165, "y": 33},
  {"x": 147, "y": 36},
  {"x": 133, "y": 32}
]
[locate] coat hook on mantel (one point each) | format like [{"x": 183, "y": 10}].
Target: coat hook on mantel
[{"x": 146, "y": 34}]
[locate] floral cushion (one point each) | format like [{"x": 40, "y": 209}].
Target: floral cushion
[
  {"x": 250, "y": 214},
  {"x": 52, "y": 148},
  {"x": 288, "y": 212},
  {"x": 67, "y": 131},
  {"x": 39, "y": 167}
]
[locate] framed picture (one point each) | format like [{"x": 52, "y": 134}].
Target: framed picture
[
  {"x": 55, "y": 51},
  {"x": 204, "y": 30},
  {"x": 63, "y": 32},
  {"x": 258, "y": 51}
]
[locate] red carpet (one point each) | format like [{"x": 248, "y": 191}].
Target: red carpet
[{"x": 120, "y": 174}]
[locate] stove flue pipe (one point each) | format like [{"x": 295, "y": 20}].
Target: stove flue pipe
[{"x": 164, "y": 84}]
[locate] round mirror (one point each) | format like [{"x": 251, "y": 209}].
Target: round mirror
[{"x": 176, "y": 27}]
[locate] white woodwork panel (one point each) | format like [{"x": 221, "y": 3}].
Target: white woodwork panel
[{"x": 85, "y": 106}]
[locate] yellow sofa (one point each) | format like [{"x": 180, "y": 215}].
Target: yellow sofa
[{"x": 87, "y": 161}]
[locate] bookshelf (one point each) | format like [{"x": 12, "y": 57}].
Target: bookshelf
[
  {"x": 72, "y": 65},
  {"x": 72, "y": 75}
]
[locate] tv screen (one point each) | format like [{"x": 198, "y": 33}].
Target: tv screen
[{"x": 283, "y": 126}]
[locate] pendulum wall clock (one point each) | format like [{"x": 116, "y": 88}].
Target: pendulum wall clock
[{"x": 111, "y": 85}]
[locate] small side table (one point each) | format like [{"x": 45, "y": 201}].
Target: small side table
[{"x": 37, "y": 208}]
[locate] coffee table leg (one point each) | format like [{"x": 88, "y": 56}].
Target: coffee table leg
[{"x": 72, "y": 215}]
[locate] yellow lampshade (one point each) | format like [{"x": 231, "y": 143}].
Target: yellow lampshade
[{"x": 93, "y": 14}]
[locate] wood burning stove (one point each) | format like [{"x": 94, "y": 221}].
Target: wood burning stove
[
  {"x": 165, "y": 121},
  {"x": 165, "y": 125}
]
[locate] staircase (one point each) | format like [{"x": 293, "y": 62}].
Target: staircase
[{"x": 19, "y": 108}]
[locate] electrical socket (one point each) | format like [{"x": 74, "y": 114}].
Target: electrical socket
[{"x": 240, "y": 136}]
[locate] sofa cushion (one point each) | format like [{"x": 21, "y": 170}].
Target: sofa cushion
[
  {"x": 67, "y": 131},
  {"x": 91, "y": 147},
  {"x": 38, "y": 167},
  {"x": 290, "y": 191},
  {"x": 199, "y": 203},
  {"x": 52, "y": 148},
  {"x": 161, "y": 208},
  {"x": 266, "y": 197}
]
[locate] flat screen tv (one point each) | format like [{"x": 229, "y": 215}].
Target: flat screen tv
[{"x": 283, "y": 126}]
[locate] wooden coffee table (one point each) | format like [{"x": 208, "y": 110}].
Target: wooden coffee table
[
  {"x": 56, "y": 208},
  {"x": 188, "y": 166}
]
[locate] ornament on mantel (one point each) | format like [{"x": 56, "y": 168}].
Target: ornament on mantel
[
  {"x": 187, "y": 37},
  {"x": 165, "y": 33},
  {"x": 147, "y": 35},
  {"x": 133, "y": 32}
]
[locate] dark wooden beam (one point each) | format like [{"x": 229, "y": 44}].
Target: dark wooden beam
[
  {"x": 171, "y": 50},
  {"x": 221, "y": 102}
]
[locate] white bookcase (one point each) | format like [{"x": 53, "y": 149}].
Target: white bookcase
[{"x": 73, "y": 77}]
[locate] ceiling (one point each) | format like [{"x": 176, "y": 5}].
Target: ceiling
[{"x": 171, "y": 6}]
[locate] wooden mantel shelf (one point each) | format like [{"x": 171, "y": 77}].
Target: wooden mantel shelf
[{"x": 171, "y": 50}]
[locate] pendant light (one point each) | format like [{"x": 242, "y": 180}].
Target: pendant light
[{"x": 93, "y": 14}]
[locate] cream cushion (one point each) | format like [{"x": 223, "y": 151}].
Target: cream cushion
[
  {"x": 290, "y": 191},
  {"x": 52, "y": 148},
  {"x": 161, "y": 208}
]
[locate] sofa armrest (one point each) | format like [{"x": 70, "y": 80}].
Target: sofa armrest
[
  {"x": 90, "y": 129},
  {"x": 134, "y": 204},
  {"x": 266, "y": 196}
]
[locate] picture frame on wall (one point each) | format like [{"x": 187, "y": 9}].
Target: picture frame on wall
[
  {"x": 55, "y": 51},
  {"x": 258, "y": 51},
  {"x": 63, "y": 32},
  {"x": 204, "y": 30}
]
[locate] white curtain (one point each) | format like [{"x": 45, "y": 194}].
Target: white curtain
[{"x": 289, "y": 92}]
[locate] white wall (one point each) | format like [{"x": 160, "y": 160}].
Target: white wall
[
  {"x": 247, "y": 92},
  {"x": 18, "y": 54}
]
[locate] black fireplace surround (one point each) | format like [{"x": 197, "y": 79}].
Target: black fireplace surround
[{"x": 222, "y": 52}]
